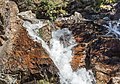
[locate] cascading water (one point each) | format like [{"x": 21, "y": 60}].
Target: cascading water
[
  {"x": 60, "y": 52},
  {"x": 113, "y": 28}
]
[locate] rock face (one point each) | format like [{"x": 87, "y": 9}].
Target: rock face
[
  {"x": 95, "y": 51},
  {"x": 19, "y": 54},
  {"x": 105, "y": 60}
]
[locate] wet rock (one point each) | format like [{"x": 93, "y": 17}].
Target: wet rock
[
  {"x": 46, "y": 32},
  {"x": 79, "y": 56},
  {"x": 84, "y": 32},
  {"x": 45, "y": 27},
  {"x": 95, "y": 51},
  {"x": 116, "y": 14},
  {"x": 105, "y": 60},
  {"x": 19, "y": 54}
]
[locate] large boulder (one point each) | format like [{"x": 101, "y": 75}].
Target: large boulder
[{"x": 19, "y": 54}]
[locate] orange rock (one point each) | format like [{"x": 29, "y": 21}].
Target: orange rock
[
  {"x": 20, "y": 52},
  {"x": 78, "y": 39},
  {"x": 78, "y": 59}
]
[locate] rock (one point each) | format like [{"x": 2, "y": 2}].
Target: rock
[
  {"x": 45, "y": 27},
  {"x": 46, "y": 32},
  {"x": 25, "y": 5},
  {"x": 19, "y": 54},
  {"x": 79, "y": 56},
  {"x": 105, "y": 60},
  {"x": 95, "y": 51},
  {"x": 116, "y": 14},
  {"x": 27, "y": 15},
  {"x": 84, "y": 32},
  {"x": 73, "y": 19}
]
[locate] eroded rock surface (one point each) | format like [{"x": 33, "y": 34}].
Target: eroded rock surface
[
  {"x": 19, "y": 54},
  {"x": 105, "y": 60},
  {"x": 95, "y": 51}
]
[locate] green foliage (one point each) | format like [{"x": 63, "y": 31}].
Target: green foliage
[
  {"x": 51, "y": 9},
  {"x": 43, "y": 82},
  {"x": 104, "y": 2},
  {"x": 51, "y": 80},
  {"x": 107, "y": 1},
  {"x": 100, "y": 3}
]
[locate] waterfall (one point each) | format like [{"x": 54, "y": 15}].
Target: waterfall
[
  {"x": 60, "y": 51},
  {"x": 61, "y": 44}
]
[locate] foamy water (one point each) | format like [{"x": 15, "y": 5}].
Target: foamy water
[
  {"x": 62, "y": 42},
  {"x": 113, "y": 28},
  {"x": 60, "y": 52}
]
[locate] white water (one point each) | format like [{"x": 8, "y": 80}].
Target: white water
[
  {"x": 113, "y": 28},
  {"x": 60, "y": 52}
]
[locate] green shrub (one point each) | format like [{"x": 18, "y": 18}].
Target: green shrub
[
  {"x": 51, "y": 9},
  {"x": 100, "y": 3}
]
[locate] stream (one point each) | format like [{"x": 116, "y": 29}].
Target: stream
[{"x": 60, "y": 51}]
